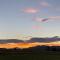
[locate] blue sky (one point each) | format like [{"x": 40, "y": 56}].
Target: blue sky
[{"x": 26, "y": 17}]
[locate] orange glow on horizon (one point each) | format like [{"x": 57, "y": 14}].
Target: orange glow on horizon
[{"x": 27, "y": 45}]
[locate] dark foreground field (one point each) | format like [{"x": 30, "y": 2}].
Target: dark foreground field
[
  {"x": 49, "y": 55},
  {"x": 32, "y": 53}
]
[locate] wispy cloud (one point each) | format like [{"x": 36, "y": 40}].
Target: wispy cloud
[
  {"x": 44, "y": 4},
  {"x": 36, "y": 27},
  {"x": 57, "y": 8},
  {"x": 30, "y": 10},
  {"x": 41, "y": 19},
  {"x": 47, "y": 19},
  {"x": 54, "y": 17}
]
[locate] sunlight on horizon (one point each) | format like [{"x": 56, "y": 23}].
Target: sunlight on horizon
[{"x": 28, "y": 45}]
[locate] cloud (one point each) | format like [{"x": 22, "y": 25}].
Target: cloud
[
  {"x": 36, "y": 27},
  {"x": 55, "y": 8},
  {"x": 41, "y": 19},
  {"x": 38, "y": 19},
  {"x": 54, "y": 17},
  {"x": 44, "y": 4},
  {"x": 58, "y": 9},
  {"x": 30, "y": 10}
]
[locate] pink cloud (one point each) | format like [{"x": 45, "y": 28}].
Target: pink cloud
[
  {"x": 57, "y": 8},
  {"x": 44, "y": 4},
  {"x": 54, "y": 17},
  {"x": 44, "y": 20},
  {"x": 38, "y": 19},
  {"x": 30, "y": 10},
  {"x": 36, "y": 27},
  {"x": 41, "y": 19}
]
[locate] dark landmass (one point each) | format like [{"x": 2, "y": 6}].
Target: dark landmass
[
  {"x": 33, "y": 53},
  {"x": 36, "y": 49}
]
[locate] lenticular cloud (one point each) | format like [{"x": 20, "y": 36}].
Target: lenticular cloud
[
  {"x": 47, "y": 19},
  {"x": 30, "y": 10}
]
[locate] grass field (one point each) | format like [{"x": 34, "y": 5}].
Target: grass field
[{"x": 31, "y": 56}]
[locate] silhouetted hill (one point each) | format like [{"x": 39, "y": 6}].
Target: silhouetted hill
[
  {"x": 11, "y": 41},
  {"x": 35, "y": 49}
]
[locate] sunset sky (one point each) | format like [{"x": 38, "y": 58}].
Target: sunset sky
[{"x": 36, "y": 18}]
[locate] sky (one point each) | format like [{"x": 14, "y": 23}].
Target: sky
[{"x": 23, "y": 18}]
